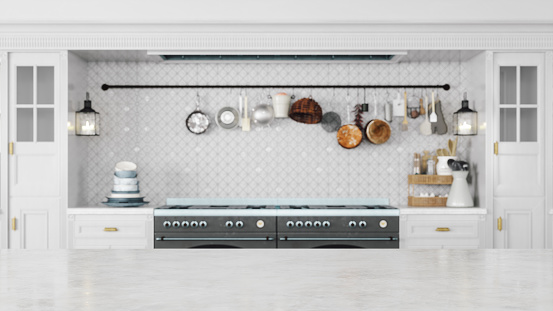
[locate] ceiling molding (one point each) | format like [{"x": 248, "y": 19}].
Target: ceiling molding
[{"x": 297, "y": 42}]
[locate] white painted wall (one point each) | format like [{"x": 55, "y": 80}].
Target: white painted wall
[
  {"x": 283, "y": 11},
  {"x": 77, "y": 146}
]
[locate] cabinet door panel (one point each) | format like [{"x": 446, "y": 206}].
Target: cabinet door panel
[
  {"x": 37, "y": 222},
  {"x": 523, "y": 223}
]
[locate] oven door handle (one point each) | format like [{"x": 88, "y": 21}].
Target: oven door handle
[
  {"x": 215, "y": 239},
  {"x": 338, "y": 239}
]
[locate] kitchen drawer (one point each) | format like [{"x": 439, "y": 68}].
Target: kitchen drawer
[
  {"x": 442, "y": 231},
  {"x": 110, "y": 231}
]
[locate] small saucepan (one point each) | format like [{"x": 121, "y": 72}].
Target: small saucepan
[{"x": 197, "y": 122}]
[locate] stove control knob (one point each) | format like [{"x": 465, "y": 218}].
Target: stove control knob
[
  {"x": 290, "y": 224},
  {"x": 362, "y": 224},
  {"x": 383, "y": 224},
  {"x": 239, "y": 224},
  {"x": 260, "y": 224},
  {"x": 326, "y": 224},
  {"x": 317, "y": 224},
  {"x": 167, "y": 224},
  {"x": 203, "y": 224},
  {"x": 176, "y": 224},
  {"x": 194, "y": 224},
  {"x": 299, "y": 224},
  {"x": 185, "y": 224},
  {"x": 308, "y": 224},
  {"x": 229, "y": 224},
  {"x": 352, "y": 224}
]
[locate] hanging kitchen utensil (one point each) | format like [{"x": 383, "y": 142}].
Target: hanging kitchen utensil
[
  {"x": 331, "y": 121},
  {"x": 246, "y": 120},
  {"x": 240, "y": 108},
  {"x": 433, "y": 115},
  {"x": 404, "y": 124},
  {"x": 227, "y": 118},
  {"x": 377, "y": 131},
  {"x": 197, "y": 122},
  {"x": 365, "y": 105},
  {"x": 307, "y": 111},
  {"x": 426, "y": 126},
  {"x": 422, "y": 110},
  {"x": 263, "y": 114},
  {"x": 413, "y": 106},
  {"x": 349, "y": 136},
  {"x": 439, "y": 126}
]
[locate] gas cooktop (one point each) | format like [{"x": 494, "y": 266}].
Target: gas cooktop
[
  {"x": 337, "y": 207},
  {"x": 216, "y": 207}
]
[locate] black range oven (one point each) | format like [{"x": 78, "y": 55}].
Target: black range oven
[{"x": 247, "y": 226}]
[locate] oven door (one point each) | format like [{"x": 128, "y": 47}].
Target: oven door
[
  {"x": 213, "y": 241},
  {"x": 337, "y": 242}
]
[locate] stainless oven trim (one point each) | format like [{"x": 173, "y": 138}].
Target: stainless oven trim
[
  {"x": 215, "y": 239},
  {"x": 336, "y": 212},
  {"x": 339, "y": 239}
]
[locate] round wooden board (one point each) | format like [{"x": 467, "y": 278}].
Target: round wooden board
[{"x": 349, "y": 136}]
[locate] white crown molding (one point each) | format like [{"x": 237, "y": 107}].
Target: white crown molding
[{"x": 299, "y": 42}]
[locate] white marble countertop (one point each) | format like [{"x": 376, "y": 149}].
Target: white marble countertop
[
  {"x": 276, "y": 279},
  {"x": 404, "y": 210},
  {"x": 106, "y": 210},
  {"x": 410, "y": 210}
]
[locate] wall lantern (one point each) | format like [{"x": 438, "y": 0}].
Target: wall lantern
[
  {"x": 465, "y": 120},
  {"x": 87, "y": 121}
]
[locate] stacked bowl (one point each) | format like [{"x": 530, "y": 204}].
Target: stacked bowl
[{"x": 125, "y": 192}]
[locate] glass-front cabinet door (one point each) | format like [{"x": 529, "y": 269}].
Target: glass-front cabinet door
[{"x": 519, "y": 124}]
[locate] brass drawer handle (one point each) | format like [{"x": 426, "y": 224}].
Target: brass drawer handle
[
  {"x": 442, "y": 229},
  {"x": 110, "y": 229},
  {"x": 10, "y": 148},
  {"x": 13, "y": 224},
  {"x": 499, "y": 224}
]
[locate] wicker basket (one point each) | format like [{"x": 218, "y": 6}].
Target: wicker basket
[
  {"x": 426, "y": 201},
  {"x": 306, "y": 110}
]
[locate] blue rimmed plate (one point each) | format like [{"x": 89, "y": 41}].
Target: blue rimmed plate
[{"x": 135, "y": 204}]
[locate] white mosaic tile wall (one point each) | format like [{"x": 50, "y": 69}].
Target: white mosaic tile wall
[{"x": 289, "y": 159}]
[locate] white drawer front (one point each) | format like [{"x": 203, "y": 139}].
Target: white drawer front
[
  {"x": 111, "y": 231},
  {"x": 442, "y": 229}
]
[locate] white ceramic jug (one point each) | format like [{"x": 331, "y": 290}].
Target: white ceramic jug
[{"x": 459, "y": 195}]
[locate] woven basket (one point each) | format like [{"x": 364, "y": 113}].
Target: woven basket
[{"x": 306, "y": 110}]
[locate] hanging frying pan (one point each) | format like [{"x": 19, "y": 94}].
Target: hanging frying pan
[
  {"x": 197, "y": 122},
  {"x": 349, "y": 136},
  {"x": 377, "y": 131}
]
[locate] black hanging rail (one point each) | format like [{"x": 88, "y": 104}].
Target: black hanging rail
[{"x": 106, "y": 87}]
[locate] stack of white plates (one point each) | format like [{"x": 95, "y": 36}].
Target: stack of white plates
[{"x": 125, "y": 192}]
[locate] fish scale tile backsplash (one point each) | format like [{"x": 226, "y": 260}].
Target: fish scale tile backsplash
[{"x": 287, "y": 159}]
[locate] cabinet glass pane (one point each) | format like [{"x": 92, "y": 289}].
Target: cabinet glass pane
[
  {"x": 508, "y": 124},
  {"x": 45, "y": 85},
  {"x": 529, "y": 124},
  {"x": 45, "y": 124},
  {"x": 529, "y": 85},
  {"x": 507, "y": 85},
  {"x": 24, "y": 124},
  {"x": 24, "y": 85}
]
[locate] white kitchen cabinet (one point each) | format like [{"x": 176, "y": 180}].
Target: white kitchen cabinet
[
  {"x": 422, "y": 231},
  {"x": 33, "y": 189},
  {"x": 101, "y": 228},
  {"x": 519, "y": 165}
]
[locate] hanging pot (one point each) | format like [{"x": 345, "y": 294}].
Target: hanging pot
[
  {"x": 197, "y": 122},
  {"x": 263, "y": 114},
  {"x": 377, "y": 131}
]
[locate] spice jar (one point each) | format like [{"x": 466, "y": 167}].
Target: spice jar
[
  {"x": 417, "y": 164},
  {"x": 430, "y": 167}
]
